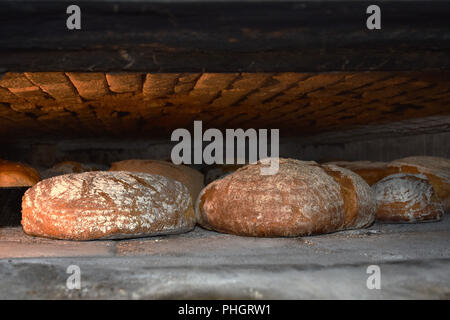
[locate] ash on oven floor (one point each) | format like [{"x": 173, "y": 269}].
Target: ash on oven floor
[{"x": 413, "y": 262}]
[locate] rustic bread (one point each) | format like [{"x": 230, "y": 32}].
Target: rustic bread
[
  {"x": 359, "y": 201},
  {"x": 436, "y": 169},
  {"x": 190, "y": 177},
  {"x": 406, "y": 198},
  {"x": 107, "y": 205},
  {"x": 69, "y": 167},
  {"x": 370, "y": 171},
  {"x": 301, "y": 199},
  {"x": 66, "y": 167},
  {"x": 14, "y": 174}
]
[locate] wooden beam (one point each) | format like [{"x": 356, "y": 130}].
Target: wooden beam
[{"x": 227, "y": 36}]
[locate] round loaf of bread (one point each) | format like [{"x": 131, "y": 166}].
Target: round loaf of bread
[
  {"x": 371, "y": 172},
  {"x": 300, "y": 199},
  {"x": 190, "y": 177},
  {"x": 67, "y": 167},
  {"x": 436, "y": 169},
  {"x": 107, "y": 205},
  {"x": 14, "y": 174},
  {"x": 406, "y": 198}
]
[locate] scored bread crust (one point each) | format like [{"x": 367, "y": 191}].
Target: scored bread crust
[
  {"x": 301, "y": 199},
  {"x": 190, "y": 177},
  {"x": 107, "y": 205},
  {"x": 14, "y": 174},
  {"x": 406, "y": 198},
  {"x": 436, "y": 169},
  {"x": 359, "y": 202}
]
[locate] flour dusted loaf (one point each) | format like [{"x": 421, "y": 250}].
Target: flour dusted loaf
[
  {"x": 406, "y": 198},
  {"x": 436, "y": 169},
  {"x": 370, "y": 171},
  {"x": 106, "y": 205},
  {"x": 190, "y": 177},
  {"x": 303, "y": 198},
  {"x": 14, "y": 174}
]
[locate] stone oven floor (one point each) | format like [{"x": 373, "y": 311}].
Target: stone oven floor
[{"x": 414, "y": 261}]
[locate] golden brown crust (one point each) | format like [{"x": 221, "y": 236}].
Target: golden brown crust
[
  {"x": 371, "y": 172},
  {"x": 359, "y": 202},
  {"x": 14, "y": 174},
  {"x": 191, "y": 178},
  {"x": 301, "y": 199},
  {"x": 406, "y": 198},
  {"x": 436, "y": 169},
  {"x": 107, "y": 205}
]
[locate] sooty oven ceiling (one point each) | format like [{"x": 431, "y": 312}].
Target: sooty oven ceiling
[{"x": 71, "y": 104}]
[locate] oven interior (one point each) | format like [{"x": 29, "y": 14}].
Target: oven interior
[{"x": 117, "y": 91}]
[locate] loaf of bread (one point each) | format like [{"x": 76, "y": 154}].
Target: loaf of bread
[
  {"x": 359, "y": 202},
  {"x": 14, "y": 174},
  {"x": 67, "y": 167},
  {"x": 436, "y": 169},
  {"x": 371, "y": 172},
  {"x": 406, "y": 198},
  {"x": 107, "y": 205},
  {"x": 302, "y": 198},
  {"x": 190, "y": 177}
]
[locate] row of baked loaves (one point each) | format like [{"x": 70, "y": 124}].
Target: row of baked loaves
[{"x": 147, "y": 197}]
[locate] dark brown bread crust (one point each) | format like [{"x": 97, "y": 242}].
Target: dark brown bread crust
[
  {"x": 190, "y": 177},
  {"x": 107, "y": 205},
  {"x": 66, "y": 167},
  {"x": 406, "y": 198},
  {"x": 301, "y": 199}
]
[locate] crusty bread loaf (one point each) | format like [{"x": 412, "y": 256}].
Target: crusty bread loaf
[
  {"x": 436, "y": 169},
  {"x": 14, "y": 174},
  {"x": 301, "y": 199},
  {"x": 107, "y": 205},
  {"x": 371, "y": 172},
  {"x": 406, "y": 198},
  {"x": 66, "y": 167},
  {"x": 359, "y": 201},
  {"x": 190, "y": 177},
  {"x": 69, "y": 167}
]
